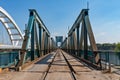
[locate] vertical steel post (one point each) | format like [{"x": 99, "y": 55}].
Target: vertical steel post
[
  {"x": 51, "y": 45},
  {"x": 43, "y": 41},
  {"x": 91, "y": 37},
  {"x": 78, "y": 40},
  {"x": 45, "y": 44},
  {"x": 109, "y": 62},
  {"x": 37, "y": 43},
  {"x": 74, "y": 42},
  {"x": 33, "y": 42},
  {"x": 71, "y": 43},
  {"x": 48, "y": 44},
  {"x": 68, "y": 44},
  {"x": 40, "y": 38},
  {"x": 85, "y": 42}
]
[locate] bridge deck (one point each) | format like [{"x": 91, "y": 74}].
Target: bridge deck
[{"x": 58, "y": 70}]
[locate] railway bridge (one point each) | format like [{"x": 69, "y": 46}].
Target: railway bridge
[{"x": 36, "y": 55}]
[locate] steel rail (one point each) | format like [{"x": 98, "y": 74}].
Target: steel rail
[
  {"x": 73, "y": 72},
  {"x": 49, "y": 65}
]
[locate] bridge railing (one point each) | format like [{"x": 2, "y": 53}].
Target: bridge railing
[
  {"x": 108, "y": 59},
  {"x": 8, "y": 58}
]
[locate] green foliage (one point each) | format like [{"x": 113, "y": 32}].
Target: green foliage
[
  {"x": 106, "y": 46},
  {"x": 117, "y": 48}
]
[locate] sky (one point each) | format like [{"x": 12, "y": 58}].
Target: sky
[{"x": 58, "y": 15}]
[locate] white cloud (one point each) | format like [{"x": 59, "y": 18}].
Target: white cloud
[{"x": 101, "y": 34}]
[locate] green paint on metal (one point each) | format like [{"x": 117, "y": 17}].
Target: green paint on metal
[{"x": 8, "y": 59}]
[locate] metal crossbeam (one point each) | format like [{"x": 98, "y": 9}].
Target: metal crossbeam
[
  {"x": 78, "y": 41},
  {"x": 40, "y": 20},
  {"x": 11, "y": 28},
  {"x": 14, "y": 34},
  {"x": 7, "y": 22},
  {"x": 16, "y": 39},
  {"x": 2, "y": 16},
  {"x": 35, "y": 29},
  {"x": 78, "y": 20}
]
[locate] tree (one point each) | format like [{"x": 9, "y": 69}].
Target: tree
[
  {"x": 117, "y": 48},
  {"x": 106, "y": 46}
]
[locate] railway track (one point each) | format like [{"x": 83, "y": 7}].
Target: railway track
[
  {"x": 58, "y": 65},
  {"x": 72, "y": 71},
  {"x": 59, "y": 54},
  {"x": 49, "y": 65}
]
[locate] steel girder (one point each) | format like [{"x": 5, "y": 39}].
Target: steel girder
[
  {"x": 38, "y": 36},
  {"x": 79, "y": 40}
]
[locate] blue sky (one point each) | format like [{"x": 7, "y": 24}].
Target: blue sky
[{"x": 59, "y": 14}]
